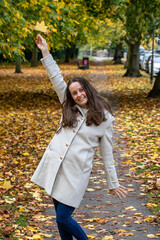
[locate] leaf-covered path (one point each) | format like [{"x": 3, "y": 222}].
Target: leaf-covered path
[{"x": 30, "y": 113}]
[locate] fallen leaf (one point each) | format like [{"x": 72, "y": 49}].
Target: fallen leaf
[
  {"x": 108, "y": 238},
  {"x": 131, "y": 208},
  {"x": 7, "y": 184},
  {"x": 152, "y": 236}
]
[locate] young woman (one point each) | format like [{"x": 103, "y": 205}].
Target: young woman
[{"x": 66, "y": 165}]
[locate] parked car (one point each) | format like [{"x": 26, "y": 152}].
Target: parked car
[
  {"x": 156, "y": 51},
  {"x": 156, "y": 65},
  {"x": 144, "y": 60},
  {"x": 149, "y": 60},
  {"x": 141, "y": 55}
]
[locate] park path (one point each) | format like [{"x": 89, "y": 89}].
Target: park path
[{"x": 102, "y": 214}]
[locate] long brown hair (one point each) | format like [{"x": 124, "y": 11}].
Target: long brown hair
[{"x": 96, "y": 105}]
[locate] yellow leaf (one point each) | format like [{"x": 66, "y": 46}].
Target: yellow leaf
[
  {"x": 93, "y": 219},
  {"x": 129, "y": 234},
  {"x": 3, "y": 151},
  {"x": 91, "y": 236},
  {"x": 32, "y": 229},
  {"x": 7, "y": 184},
  {"x": 26, "y": 154},
  {"x": 21, "y": 209},
  {"x": 152, "y": 236},
  {"x": 156, "y": 155},
  {"x": 41, "y": 27},
  {"x": 90, "y": 226},
  {"x": 131, "y": 208},
  {"x": 108, "y": 238},
  {"x": 37, "y": 236},
  {"x": 138, "y": 214},
  {"x": 149, "y": 219},
  {"x": 152, "y": 205}
]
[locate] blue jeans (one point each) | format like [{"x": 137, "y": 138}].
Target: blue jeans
[{"x": 67, "y": 226}]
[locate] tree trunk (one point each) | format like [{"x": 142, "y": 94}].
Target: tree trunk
[
  {"x": 18, "y": 65},
  {"x": 118, "y": 54},
  {"x": 34, "y": 60},
  {"x": 73, "y": 51},
  {"x": 67, "y": 55},
  {"x": 155, "y": 92},
  {"x": 133, "y": 61}
]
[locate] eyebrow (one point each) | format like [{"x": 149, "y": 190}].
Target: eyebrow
[{"x": 81, "y": 88}]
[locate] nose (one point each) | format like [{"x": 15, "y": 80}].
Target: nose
[{"x": 78, "y": 94}]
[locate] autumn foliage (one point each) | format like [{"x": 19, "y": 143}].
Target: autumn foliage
[{"x": 29, "y": 115}]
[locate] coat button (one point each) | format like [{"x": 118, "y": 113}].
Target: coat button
[
  {"x": 67, "y": 144},
  {"x": 61, "y": 157},
  {"x": 82, "y": 118},
  {"x": 74, "y": 130}
]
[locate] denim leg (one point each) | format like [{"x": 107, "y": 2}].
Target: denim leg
[
  {"x": 65, "y": 235},
  {"x": 67, "y": 226}
]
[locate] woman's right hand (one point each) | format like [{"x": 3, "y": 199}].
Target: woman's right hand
[{"x": 42, "y": 45}]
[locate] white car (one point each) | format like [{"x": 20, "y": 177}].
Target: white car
[
  {"x": 141, "y": 55},
  {"x": 156, "y": 66},
  {"x": 143, "y": 62}
]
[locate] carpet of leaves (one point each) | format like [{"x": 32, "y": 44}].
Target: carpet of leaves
[{"x": 30, "y": 114}]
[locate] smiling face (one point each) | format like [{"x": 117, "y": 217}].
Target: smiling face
[{"x": 78, "y": 94}]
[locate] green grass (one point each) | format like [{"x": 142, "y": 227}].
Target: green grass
[
  {"x": 93, "y": 59},
  {"x": 90, "y": 58},
  {"x": 155, "y": 199},
  {"x": 22, "y": 221}
]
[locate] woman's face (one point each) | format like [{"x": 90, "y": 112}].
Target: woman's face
[{"x": 78, "y": 94}]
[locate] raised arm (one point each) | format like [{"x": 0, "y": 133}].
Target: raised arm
[{"x": 52, "y": 68}]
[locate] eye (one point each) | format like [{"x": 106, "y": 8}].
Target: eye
[
  {"x": 73, "y": 93},
  {"x": 81, "y": 90}
]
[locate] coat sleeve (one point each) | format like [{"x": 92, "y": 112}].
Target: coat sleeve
[
  {"x": 106, "y": 151},
  {"x": 55, "y": 76}
]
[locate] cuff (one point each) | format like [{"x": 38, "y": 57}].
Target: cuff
[{"x": 47, "y": 60}]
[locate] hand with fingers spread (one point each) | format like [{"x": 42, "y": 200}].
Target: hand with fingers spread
[
  {"x": 42, "y": 45},
  {"x": 119, "y": 192}
]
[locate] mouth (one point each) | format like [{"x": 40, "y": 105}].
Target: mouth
[{"x": 81, "y": 99}]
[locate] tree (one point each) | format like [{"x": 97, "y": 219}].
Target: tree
[
  {"x": 65, "y": 20},
  {"x": 73, "y": 25},
  {"x": 12, "y": 31},
  {"x": 136, "y": 17},
  {"x": 155, "y": 92},
  {"x": 104, "y": 32},
  {"x": 118, "y": 54}
]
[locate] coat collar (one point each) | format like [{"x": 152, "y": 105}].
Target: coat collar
[{"x": 81, "y": 111}]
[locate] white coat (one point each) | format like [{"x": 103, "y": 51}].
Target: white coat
[{"x": 65, "y": 167}]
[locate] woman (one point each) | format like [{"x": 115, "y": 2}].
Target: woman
[{"x": 65, "y": 167}]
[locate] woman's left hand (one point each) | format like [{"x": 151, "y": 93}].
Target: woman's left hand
[{"x": 119, "y": 192}]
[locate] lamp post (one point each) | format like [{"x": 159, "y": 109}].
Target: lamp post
[
  {"x": 152, "y": 62},
  {"x": 91, "y": 50}
]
